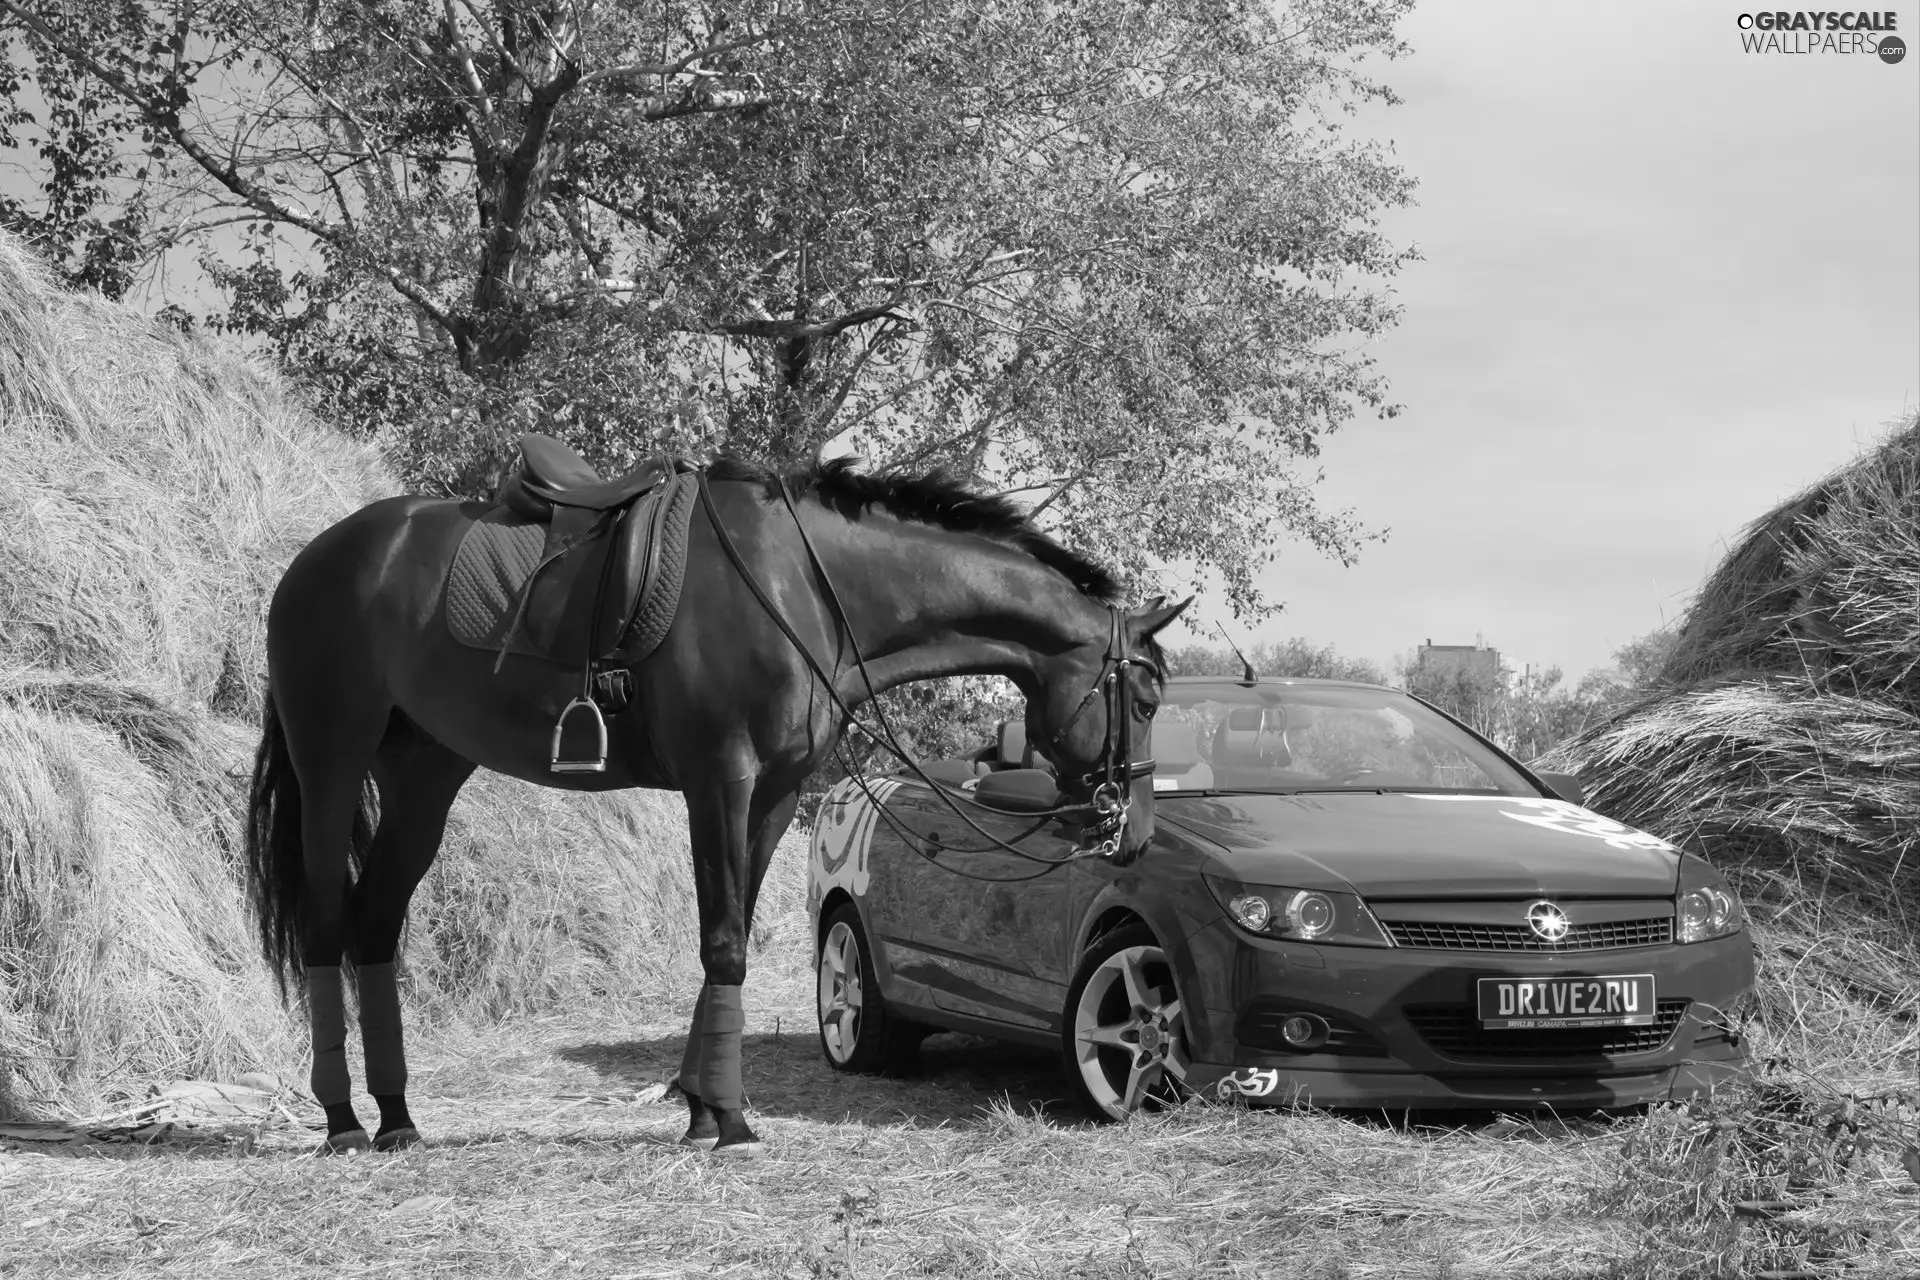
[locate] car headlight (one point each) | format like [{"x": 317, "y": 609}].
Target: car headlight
[
  {"x": 1299, "y": 915},
  {"x": 1705, "y": 907}
]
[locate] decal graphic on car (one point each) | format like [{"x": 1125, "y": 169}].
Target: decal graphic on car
[
  {"x": 1250, "y": 1082},
  {"x": 1558, "y": 815},
  {"x": 843, "y": 835}
]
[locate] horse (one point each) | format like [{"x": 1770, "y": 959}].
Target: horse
[{"x": 805, "y": 595}]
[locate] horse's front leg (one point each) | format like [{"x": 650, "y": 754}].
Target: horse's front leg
[{"x": 735, "y": 829}]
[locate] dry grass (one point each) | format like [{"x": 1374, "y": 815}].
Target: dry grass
[
  {"x": 1822, "y": 586},
  {"x": 1781, "y": 741},
  {"x": 544, "y": 1164},
  {"x": 159, "y": 485}
]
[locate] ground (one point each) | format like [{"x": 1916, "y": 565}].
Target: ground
[{"x": 551, "y": 1155}]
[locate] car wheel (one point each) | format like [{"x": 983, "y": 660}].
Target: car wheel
[
  {"x": 1124, "y": 1035},
  {"x": 858, "y": 1032}
]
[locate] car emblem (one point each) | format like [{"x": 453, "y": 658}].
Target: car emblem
[{"x": 1548, "y": 922}]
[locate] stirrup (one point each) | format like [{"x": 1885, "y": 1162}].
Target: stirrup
[{"x": 598, "y": 765}]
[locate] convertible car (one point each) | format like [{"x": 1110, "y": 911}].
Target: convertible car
[{"x": 1349, "y": 900}]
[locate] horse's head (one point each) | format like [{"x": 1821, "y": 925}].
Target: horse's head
[{"x": 1095, "y": 705}]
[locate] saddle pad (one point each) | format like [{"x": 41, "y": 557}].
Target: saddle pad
[
  {"x": 501, "y": 550},
  {"x": 496, "y": 557}
]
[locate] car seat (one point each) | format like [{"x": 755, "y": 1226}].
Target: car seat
[
  {"x": 1176, "y": 758},
  {"x": 1015, "y": 752},
  {"x": 953, "y": 773},
  {"x": 1250, "y": 747}
]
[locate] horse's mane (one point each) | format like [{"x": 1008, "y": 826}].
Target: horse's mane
[{"x": 934, "y": 498}]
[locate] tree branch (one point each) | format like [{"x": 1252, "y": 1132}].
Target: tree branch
[
  {"x": 701, "y": 107},
  {"x": 679, "y": 67},
  {"x": 166, "y": 116},
  {"x": 477, "y": 112},
  {"x": 639, "y": 217},
  {"x": 507, "y": 59},
  {"x": 1065, "y": 485},
  {"x": 522, "y": 185},
  {"x": 790, "y": 329},
  {"x": 834, "y": 403}
]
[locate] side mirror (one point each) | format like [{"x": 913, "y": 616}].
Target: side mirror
[
  {"x": 1019, "y": 791},
  {"x": 1564, "y": 785}
]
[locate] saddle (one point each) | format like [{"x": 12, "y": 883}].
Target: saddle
[{"x": 574, "y": 568}]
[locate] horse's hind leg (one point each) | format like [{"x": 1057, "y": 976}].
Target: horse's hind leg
[
  {"x": 332, "y": 738},
  {"x": 418, "y": 780}
]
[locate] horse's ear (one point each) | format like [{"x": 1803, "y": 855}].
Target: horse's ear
[{"x": 1156, "y": 616}]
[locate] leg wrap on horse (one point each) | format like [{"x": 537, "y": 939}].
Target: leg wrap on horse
[
  {"x": 690, "y": 1060},
  {"x": 380, "y": 1029},
  {"x": 719, "y": 1073},
  {"x": 327, "y": 1008}
]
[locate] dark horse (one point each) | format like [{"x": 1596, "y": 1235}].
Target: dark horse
[{"x": 917, "y": 576}]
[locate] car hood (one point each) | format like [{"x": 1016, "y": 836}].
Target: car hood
[{"x": 1393, "y": 845}]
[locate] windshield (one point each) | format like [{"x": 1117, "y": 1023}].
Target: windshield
[{"x": 1290, "y": 738}]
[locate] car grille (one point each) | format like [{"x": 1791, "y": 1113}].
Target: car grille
[
  {"x": 1454, "y": 1031},
  {"x": 1611, "y": 936}
]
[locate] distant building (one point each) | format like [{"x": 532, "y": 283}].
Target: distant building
[{"x": 1446, "y": 663}]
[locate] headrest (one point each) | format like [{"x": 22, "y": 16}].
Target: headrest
[
  {"x": 1174, "y": 746},
  {"x": 1240, "y": 742},
  {"x": 1013, "y": 746}
]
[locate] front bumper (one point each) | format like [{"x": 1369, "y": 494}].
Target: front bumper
[{"x": 1409, "y": 1038}]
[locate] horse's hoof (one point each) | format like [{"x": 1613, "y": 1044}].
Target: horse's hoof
[
  {"x": 397, "y": 1139},
  {"x": 345, "y": 1143},
  {"x": 699, "y": 1144},
  {"x": 746, "y": 1149}
]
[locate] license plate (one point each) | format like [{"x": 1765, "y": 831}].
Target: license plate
[{"x": 1520, "y": 1003}]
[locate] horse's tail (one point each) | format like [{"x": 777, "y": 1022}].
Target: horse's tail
[
  {"x": 276, "y": 862},
  {"x": 276, "y": 852}
]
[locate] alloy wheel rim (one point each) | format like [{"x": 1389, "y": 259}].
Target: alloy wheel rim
[
  {"x": 841, "y": 999},
  {"x": 1129, "y": 1033}
]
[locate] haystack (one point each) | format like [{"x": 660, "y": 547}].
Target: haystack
[
  {"x": 160, "y": 483},
  {"x": 1781, "y": 741}
]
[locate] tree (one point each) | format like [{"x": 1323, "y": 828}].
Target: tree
[
  {"x": 1641, "y": 660},
  {"x": 1474, "y": 694},
  {"x": 1290, "y": 657},
  {"x": 1527, "y": 714},
  {"x": 1115, "y": 255}
]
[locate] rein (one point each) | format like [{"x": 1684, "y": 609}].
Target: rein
[
  {"x": 1112, "y": 784},
  {"x": 1109, "y": 801}
]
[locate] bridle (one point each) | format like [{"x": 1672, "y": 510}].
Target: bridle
[
  {"x": 1110, "y": 783},
  {"x": 1110, "y": 780}
]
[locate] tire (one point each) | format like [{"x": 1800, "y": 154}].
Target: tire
[
  {"x": 1123, "y": 1035},
  {"x": 858, "y": 1033}
]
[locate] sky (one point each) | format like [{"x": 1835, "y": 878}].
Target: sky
[{"x": 1666, "y": 284}]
